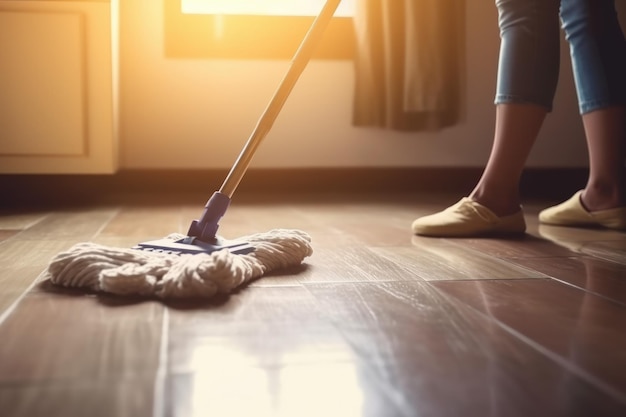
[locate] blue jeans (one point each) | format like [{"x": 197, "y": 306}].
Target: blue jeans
[{"x": 528, "y": 68}]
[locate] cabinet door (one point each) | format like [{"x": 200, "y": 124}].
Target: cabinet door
[{"x": 56, "y": 88}]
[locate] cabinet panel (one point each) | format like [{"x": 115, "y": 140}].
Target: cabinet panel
[
  {"x": 58, "y": 87},
  {"x": 42, "y": 82}
]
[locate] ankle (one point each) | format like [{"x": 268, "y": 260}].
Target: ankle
[
  {"x": 501, "y": 203},
  {"x": 597, "y": 196}
]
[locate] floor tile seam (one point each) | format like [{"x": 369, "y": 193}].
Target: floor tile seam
[
  {"x": 160, "y": 378},
  {"x": 586, "y": 291},
  {"x": 14, "y": 305}
]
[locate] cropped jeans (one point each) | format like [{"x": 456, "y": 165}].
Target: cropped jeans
[{"x": 528, "y": 68}]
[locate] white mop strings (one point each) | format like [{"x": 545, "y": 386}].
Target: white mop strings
[{"x": 125, "y": 271}]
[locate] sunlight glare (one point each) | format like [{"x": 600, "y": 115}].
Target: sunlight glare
[
  {"x": 264, "y": 7},
  {"x": 223, "y": 380}
]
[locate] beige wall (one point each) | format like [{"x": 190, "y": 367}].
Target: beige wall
[{"x": 198, "y": 113}]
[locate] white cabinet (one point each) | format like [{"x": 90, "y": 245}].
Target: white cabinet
[{"x": 58, "y": 86}]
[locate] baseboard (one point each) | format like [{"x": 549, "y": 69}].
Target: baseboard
[{"x": 554, "y": 183}]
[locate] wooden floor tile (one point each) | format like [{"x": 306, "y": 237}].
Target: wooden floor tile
[
  {"x": 7, "y": 234},
  {"x": 145, "y": 223},
  {"x": 18, "y": 278},
  {"x": 438, "y": 357},
  {"x": 11, "y": 220},
  {"x": 65, "y": 337},
  {"x": 326, "y": 389},
  {"x": 352, "y": 263},
  {"x": 19, "y": 253},
  {"x": 377, "y": 322},
  {"x": 123, "y": 397},
  {"x": 527, "y": 246},
  {"x": 291, "y": 305},
  {"x": 583, "y": 331},
  {"x": 435, "y": 259},
  {"x": 221, "y": 348},
  {"x": 268, "y": 352},
  {"x": 612, "y": 250},
  {"x": 577, "y": 235},
  {"x": 77, "y": 225},
  {"x": 23, "y": 262},
  {"x": 598, "y": 276}
]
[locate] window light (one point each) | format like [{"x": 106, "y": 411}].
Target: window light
[{"x": 264, "y": 7}]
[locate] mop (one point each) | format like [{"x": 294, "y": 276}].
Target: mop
[{"x": 201, "y": 263}]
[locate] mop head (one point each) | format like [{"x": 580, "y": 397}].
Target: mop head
[{"x": 131, "y": 272}]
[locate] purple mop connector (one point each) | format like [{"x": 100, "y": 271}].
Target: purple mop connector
[
  {"x": 205, "y": 228},
  {"x": 202, "y": 236}
]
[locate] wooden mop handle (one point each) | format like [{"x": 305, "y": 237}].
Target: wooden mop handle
[{"x": 298, "y": 64}]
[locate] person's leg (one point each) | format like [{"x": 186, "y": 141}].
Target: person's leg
[
  {"x": 527, "y": 77},
  {"x": 598, "y": 53},
  {"x": 517, "y": 126},
  {"x": 605, "y": 130}
]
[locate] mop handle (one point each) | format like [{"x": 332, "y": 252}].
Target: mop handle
[{"x": 298, "y": 64}]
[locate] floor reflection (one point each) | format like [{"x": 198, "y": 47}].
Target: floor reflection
[{"x": 230, "y": 389}]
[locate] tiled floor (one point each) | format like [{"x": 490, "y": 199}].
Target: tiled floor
[{"x": 376, "y": 323}]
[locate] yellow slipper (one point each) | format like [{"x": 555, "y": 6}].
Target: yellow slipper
[
  {"x": 468, "y": 218},
  {"x": 573, "y": 213}
]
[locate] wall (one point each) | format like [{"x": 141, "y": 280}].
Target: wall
[{"x": 198, "y": 113}]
